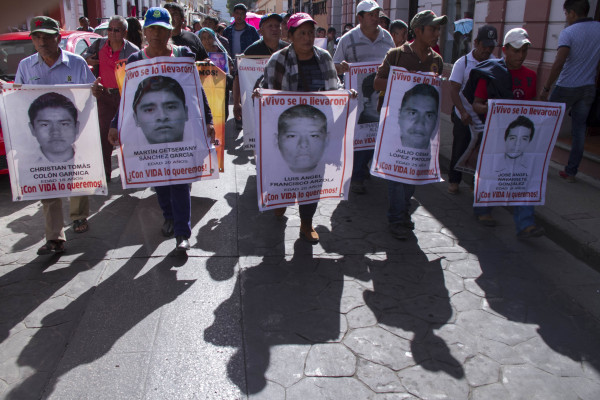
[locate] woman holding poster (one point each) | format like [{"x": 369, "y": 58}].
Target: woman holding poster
[
  {"x": 174, "y": 200},
  {"x": 301, "y": 67}
]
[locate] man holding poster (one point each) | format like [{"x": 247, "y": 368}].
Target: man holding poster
[
  {"x": 522, "y": 81},
  {"x": 53, "y": 66},
  {"x": 164, "y": 154},
  {"x": 358, "y": 53},
  {"x": 415, "y": 56}
]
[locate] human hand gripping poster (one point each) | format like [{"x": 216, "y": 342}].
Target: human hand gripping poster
[
  {"x": 407, "y": 145},
  {"x": 250, "y": 72},
  {"x": 162, "y": 127},
  {"x": 303, "y": 146},
  {"x": 515, "y": 152},
  {"x": 52, "y": 141},
  {"x": 360, "y": 78}
]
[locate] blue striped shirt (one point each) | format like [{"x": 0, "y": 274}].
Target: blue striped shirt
[{"x": 68, "y": 69}]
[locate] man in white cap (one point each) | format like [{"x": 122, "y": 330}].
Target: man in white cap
[
  {"x": 509, "y": 79},
  {"x": 366, "y": 42}
]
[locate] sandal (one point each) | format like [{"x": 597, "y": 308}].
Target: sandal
[
  {"x": 80, "y": 225},
  {"x": 531, "y": 231},
  {"x": 52, "y": 247}
]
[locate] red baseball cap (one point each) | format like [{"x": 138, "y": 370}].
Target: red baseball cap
[{"x": 298, "y": 19}]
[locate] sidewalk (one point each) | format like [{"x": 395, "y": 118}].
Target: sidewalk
[{"x": 571, "y": 215}]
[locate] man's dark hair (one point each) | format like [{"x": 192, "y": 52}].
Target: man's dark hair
[
  {"x": 300, "y": 111},
  {"x": 397, "y": 25},
  {"x": 348, "y": 25},
  {"x": 157, "y": 84},
  {"x": 520, "y": 121},
  {"x": 319, "y": 29},
  {"x": 175, "y": 7},
  {"x": 331, "y": 29},
  {"x": 367, "y": 85},
  {"x": 51, "y": 100},
  {"x": 212, "y": 19},
  {"x": 422, "y": 89},
  {"x": 581, "y": 7},
  {"x": 240, "y": 6},
  {"x": 83, "y": 19}
]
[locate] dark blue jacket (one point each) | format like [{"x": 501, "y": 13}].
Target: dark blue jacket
[
  {"x": 249, "y": 36},
  {"x": 499, "y": 81}
]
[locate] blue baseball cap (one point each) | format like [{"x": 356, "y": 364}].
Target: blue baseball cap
[
  {"x": 267, "y": 16},
  {"x": 158, "y": 16}
]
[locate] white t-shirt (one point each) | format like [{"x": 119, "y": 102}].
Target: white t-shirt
[{"x": 460, "y": 74}]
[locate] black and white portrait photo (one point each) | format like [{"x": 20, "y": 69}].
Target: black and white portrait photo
[
  {"x": 418, "y": 116},
  {"x": 53, "y": 121},
  {"x": 302, "y": 137},
  {"x": 159, "y": 109},
  {"x": 368, "y": 100},
  {"x": 517, "y": 137}
]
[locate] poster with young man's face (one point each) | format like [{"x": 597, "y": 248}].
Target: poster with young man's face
[
  {"x": 407, "y": 145},
  {"x": 515, "y": 152},
  {"x": 162, "y": 127},
  {"x": 52, "y": 141},
  {"x": 250, "y": 73},
  {"x": 303, "y": 146},
  {"x": 361, "y": 78}
]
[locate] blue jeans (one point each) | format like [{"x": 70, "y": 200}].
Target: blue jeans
[
  {"x": 399, "y": 195},
  {"x": 523, "y": 217},
  {"x": 176, "y": 204},
  {"x": 360, "y": 168},
  {"x": 579, "y": 100}
]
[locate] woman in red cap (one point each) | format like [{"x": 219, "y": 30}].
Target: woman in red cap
[{"x": 301, "y": 67}]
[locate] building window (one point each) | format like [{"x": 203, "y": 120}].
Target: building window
[{"x": 458, "y": 38}]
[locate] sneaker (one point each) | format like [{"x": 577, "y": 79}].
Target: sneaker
[
  {"x": 453, "y": 188},
  {"x": 399, "y": 231},
  {"x": 52, "y": 247},
  {"x": 183, "y": 245},
  {"x": 358, "y": 187},
  {"x": 567, "y": 177},
  {"x": 531, "y": 231}
]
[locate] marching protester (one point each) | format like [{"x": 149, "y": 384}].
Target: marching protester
[
  {"x": 213, "y": 23},
  {"x": 181, "y": 37},
  {"x": 399, "y": 32},
  {"x": 134, "y": 31},
  {"x": 240, "y": 34},
  {"x": 508, "y": 79},
  {"x": 384, "y": 21},
  {"x": 270, "y": 29},
  {"x": 463, "y": 115},
  {"x": 174, "y": 200},
  {"x": 53, "y": 66},
  {"x": 301, "y": 67},
  {"x": 85, "y": 25},
  {"x": 211, "y": 44},
  {"x": 284, "y": 30},
  {"x": 331, "y": 32},
  {"x": 576, "y": 66},
  {"x": 416, "y": 56},
  {"x": 103, "y": 55},
  {"x": 367, "y": 42}
]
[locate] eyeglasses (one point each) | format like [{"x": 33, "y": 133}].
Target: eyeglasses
[{"x": 113, "y": 30}]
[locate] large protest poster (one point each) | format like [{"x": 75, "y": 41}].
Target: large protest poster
[
  {"x": 303, "y": 146},
  {"x": 360, "y": 78},
  {"x": 407, "y": 145},
  {"x": 214, "y": 82},
  {"x": 52, "y": 141},
  {"x": 162, "y": 128},
  {"x": 515, "y": 152},
  {"x": 250, "y": 73}
]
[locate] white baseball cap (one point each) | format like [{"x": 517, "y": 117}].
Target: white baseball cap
[
  {"x": 516, "y": 37},
  {"x": 367, "y": 6}
]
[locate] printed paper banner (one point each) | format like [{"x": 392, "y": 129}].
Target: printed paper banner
[
  {"x": 360, "y": 78},
  {"x": 120, "y": 74},
  {"x": 250, "y": 72},
  {"x": 220, "y": 60},
  {"x": 52, "y": 141},
  {"x": 214, "y": 81},
  {"x": 515, "y": 152},
  {"x": 408, "y": 139},
  {"x": 162, "y": 128},
  {"x": 304, "y": 147}
]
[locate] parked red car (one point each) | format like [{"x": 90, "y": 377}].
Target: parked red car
[{"x": 16, "y": 46}]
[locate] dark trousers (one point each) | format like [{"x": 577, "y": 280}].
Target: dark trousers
[
  {"x": 360, "y": 168},
  {"x": 108, "y": 104},
  {"x": 462, "y": 138},
  {"x": 176, "y": 204},
  {"x": 307, "y": 211}
]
